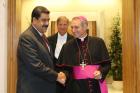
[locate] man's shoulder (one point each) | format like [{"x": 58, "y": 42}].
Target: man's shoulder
[
  {"x": 95, "y": 39},
  {"x": 70, "y": 36},
  {"x": 52, "y": 36},
  {"x": 27, "y": 33},
  {"x": 69, "y": 43}
]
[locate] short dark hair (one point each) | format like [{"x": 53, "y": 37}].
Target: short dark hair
[{"x": 37, "y": 12}]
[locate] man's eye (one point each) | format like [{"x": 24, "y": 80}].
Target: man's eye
[
  {"x": 44, "y": 20},
  {"x": 75, "y": 27}
]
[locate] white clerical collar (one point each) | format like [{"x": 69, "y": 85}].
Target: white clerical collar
[
  {"x": 37, "y": 30},
  {"x": 82, "y": 38},
  {"x": 60, "y": 36}
]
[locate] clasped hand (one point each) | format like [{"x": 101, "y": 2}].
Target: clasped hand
[
  {"x": 61, "y": 78},
  {"x": 97, "y": 75}
]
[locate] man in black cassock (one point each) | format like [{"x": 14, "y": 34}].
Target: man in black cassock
[{"x": 84, "y": 50}]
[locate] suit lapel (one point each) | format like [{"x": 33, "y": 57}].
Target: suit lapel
[
  {"x": 55, "y": 39},
  {"x": 68, "y": 37},
  {"x": 40, "y": 40}
]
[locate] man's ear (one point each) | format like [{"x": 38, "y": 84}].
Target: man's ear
[
  {"x": 85, "y": 27},
  {"x": 34, "y": 19}
]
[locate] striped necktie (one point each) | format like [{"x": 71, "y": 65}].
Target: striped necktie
[{"x": 46, "y": 42}]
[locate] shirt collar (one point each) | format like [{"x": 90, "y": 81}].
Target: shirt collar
[
  {"x": 64, "y": 36},
  {"x": 82, "y": 38}
]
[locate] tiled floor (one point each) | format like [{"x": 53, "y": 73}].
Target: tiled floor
[{"x": 112, "y": 90}]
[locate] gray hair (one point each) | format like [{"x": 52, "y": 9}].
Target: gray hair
[{"x": 82, "y": 19}]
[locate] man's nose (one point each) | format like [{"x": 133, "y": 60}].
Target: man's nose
[
  {"x": 73, "y": 30},
  {"x": 46, "y": 23}
]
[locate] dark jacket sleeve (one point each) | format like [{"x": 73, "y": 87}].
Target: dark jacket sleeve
[
  {"x": 28, "y": 52},
  {"x": 106, "y": 64}
]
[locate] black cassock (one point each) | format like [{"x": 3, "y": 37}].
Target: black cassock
[{"x": 93, "y": 51}]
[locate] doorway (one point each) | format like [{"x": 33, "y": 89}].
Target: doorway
[{"x": 130, "y": 31}]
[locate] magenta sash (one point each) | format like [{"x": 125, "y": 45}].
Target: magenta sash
[
  {"x": 103, "y": 87},
  {"x": 87, "y": 72},
  {"x": 84, "y": 73}
]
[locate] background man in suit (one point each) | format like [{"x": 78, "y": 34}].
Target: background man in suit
[
  {"x": 57, "y": 40},
  {"x": 34, "y": 54},
  {"x": 62, "y": 36}
]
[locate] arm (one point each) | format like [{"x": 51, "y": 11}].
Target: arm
[
  {"x": 104, "y": 56},
  {"x": 28, "y": 52}
]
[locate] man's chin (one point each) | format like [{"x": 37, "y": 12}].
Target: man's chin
[
  {"x": 44, "y": 30},
  {"x": 76, "y": 36}
]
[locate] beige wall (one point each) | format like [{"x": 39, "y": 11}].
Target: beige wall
[
  {"x": 102, "y": 11},
  {"x": 3, "y": 47}
]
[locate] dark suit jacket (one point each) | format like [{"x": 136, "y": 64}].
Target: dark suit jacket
[
  {"x": 53, "y": 40},
  {"x": 35, "y": 64}
]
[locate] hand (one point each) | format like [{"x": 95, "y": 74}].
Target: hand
[
  {"x": 61, "y": 78},
  {"x": 97, "y": 74}
]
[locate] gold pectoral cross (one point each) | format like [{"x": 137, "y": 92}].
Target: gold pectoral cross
[{"x": 83, "y": 65}]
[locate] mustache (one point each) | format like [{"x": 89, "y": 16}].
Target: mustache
[{"x": 46, "y": 26}]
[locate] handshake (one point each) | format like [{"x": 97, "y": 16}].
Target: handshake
[{"x": 61, "y": 78}]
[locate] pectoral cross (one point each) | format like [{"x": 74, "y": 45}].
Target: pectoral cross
[{"x": 83, "y": 65}]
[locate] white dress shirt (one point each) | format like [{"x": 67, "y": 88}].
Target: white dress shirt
[{"x": 61, "y": 40}]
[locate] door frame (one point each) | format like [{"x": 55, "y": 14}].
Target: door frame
[
  {"x": 13, "y": 32},
  {"x": 131, "y": 44}
]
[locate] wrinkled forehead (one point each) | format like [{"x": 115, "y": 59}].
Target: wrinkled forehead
[{"x": 75, "y": 22}]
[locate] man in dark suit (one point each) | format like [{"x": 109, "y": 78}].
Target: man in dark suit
[
  {"x": 35, "y": 59},
  {"x": 57, "y": 40},
  {"x": 62, "y": 36}
]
